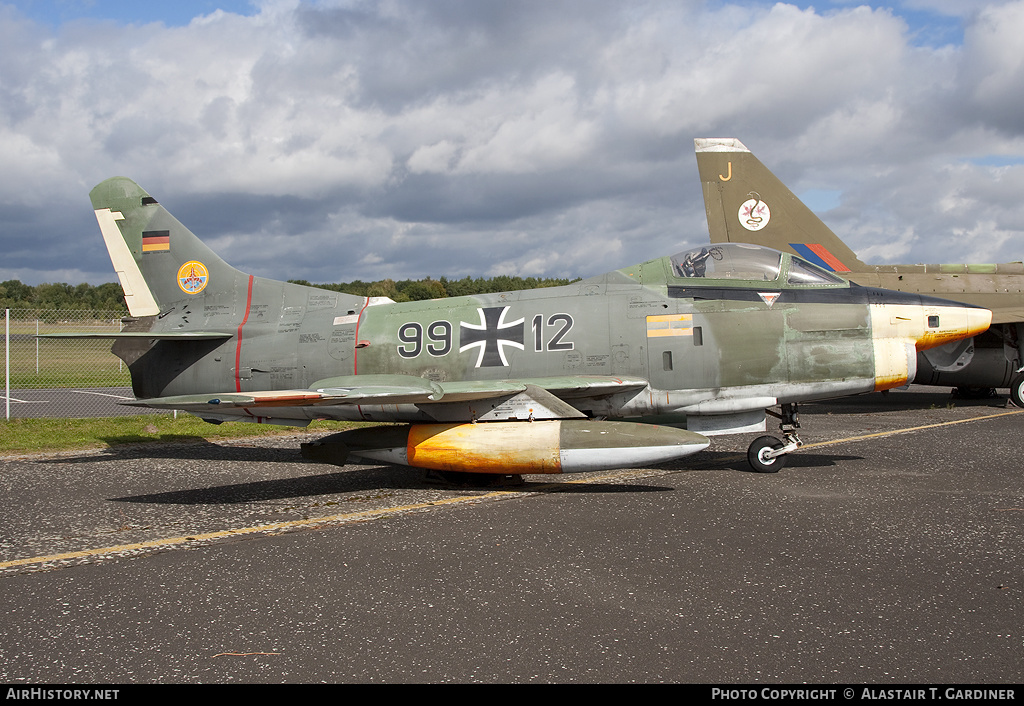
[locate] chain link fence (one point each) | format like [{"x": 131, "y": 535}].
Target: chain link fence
[{"x": 63, "y": 377}]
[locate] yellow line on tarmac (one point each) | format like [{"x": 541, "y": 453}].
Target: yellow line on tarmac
[
  {"x": 909, "y": 429},
  {"x": 294, "y": 524},
  {"x": 276, "y": 526}
]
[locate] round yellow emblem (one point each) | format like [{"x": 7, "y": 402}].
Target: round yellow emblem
[{"x": 192, "y": 277}]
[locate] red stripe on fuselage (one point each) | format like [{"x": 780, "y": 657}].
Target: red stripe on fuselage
[
  {"x": 238, "y": 345},
  {"x": 355, "y": 350}
]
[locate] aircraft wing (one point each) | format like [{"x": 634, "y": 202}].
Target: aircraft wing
[
  {"x": 1008, "y": 315},
  {"x": 397, "y": 389},
  {"x": 362, "y": 389},
  {"x": 563, "y": 387}
]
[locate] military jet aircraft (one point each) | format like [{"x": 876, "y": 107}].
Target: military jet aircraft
[
  {"x": 746, "y": 203},
  {"x": 633, "y": 367}
]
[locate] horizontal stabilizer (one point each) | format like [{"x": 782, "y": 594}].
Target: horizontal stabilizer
[{"x": 146, "y": 335}]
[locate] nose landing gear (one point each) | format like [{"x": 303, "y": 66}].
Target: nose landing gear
[{"x": 767, "y": 454}]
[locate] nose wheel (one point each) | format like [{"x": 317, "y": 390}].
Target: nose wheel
[
  {"x": 1017, "y": 390},
  {"x": 767, "y": 454}
]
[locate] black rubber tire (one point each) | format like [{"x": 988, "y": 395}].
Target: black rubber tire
[
  {"x": 1017, "y": 391},
  {"x": 759, "y": 446}
]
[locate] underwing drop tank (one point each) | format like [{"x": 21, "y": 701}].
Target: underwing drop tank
[{"x": 559, "y": 446}]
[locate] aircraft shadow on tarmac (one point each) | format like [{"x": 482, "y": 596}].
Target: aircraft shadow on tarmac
[
  {"x": 184, "y": 448},
  {"x": 380, "y": 477},
  {"x": 898, "y": 400},
  {"x": 385, "y": 477},
  {"x": 733, "y": 461},
  {"x": 276, "y": 489},
  {"x": 375, "y": 479}
]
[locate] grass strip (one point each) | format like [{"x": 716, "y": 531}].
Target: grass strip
[{"x": 20, "y": 436}]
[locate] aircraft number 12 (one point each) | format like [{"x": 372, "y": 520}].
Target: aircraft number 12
[{"x": 563, "y": 323}]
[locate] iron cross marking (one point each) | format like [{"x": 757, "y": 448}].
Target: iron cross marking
[{"x": 491, "y": 336}]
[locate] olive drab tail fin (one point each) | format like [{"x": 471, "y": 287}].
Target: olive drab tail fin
[
  {"x": 746, "y": 203},
  {"x": 158, "y": 260}
]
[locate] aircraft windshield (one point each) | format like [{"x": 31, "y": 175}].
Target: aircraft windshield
[
  {"x": 803, "y": 272},
  {"x": 729, "y": 261}
]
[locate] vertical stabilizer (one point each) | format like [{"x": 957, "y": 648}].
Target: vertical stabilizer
[
  {"x": 157, "y": 259},
  {"x": 746, "y": 203}
]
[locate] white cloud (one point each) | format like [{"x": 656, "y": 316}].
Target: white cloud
[{"x": 397, "y": 138}]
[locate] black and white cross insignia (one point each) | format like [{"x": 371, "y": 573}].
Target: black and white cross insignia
[{"x": 491, "y": 336}]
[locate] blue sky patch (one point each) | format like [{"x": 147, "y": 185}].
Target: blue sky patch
[
  {"x": 172, "y": 14},
  {"x": 821, "y": 200},
  {"x": 998, "y": 160}
]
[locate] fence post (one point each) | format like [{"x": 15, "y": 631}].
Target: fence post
[{"x": 7, "y": 364}]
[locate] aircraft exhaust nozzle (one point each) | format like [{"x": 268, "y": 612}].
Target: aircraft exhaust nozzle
[{"x": 560, "y": 446}]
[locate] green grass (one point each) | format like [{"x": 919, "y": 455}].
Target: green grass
[
  {"x": 45, "y": 362},
  {"x": 18, "y": 436}
]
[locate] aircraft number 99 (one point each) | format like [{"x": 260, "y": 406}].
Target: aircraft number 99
[{"x": 439, "y": 339}]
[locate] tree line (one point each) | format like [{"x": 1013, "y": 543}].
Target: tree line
[
  {"x": 109, "y": 297},
  {"x": 408, "y": 290},
  {"x": 81, "y": 297}
]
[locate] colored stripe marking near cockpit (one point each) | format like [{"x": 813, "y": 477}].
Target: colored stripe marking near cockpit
[{"x": 820, "y": 256}]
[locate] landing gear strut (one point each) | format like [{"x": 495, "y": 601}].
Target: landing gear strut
[{"x": 767, "y": 454}]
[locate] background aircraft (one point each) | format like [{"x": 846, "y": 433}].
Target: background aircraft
[
  {"x": 746, "y": 203},
  {"x": 540, "y": 381}
]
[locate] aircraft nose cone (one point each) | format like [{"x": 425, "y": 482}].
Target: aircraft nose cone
[
  {"x": 945, "y": 324},
  {"x": 978, "y": 321},
  {"x": 901, "y": 329}
]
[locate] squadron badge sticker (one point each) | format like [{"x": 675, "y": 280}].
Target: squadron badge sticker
[
  {"x": 754, "y": 213},
  {"x": 192, "y": 277}
]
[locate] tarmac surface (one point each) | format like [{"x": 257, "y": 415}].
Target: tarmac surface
[
  {"x": 70, "y": 402},
  {"x": 888, "y": 551}
]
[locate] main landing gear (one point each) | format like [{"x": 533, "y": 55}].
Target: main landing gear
[{"x": 767, "y": 454}]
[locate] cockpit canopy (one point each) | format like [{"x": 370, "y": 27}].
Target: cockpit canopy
[{"x": 740, "y": 261}]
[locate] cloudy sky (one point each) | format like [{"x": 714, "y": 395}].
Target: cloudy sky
[{"x": 333, "y": 140}]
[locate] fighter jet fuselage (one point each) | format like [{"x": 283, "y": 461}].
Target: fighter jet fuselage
[{"x": 547, "y": 380}]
